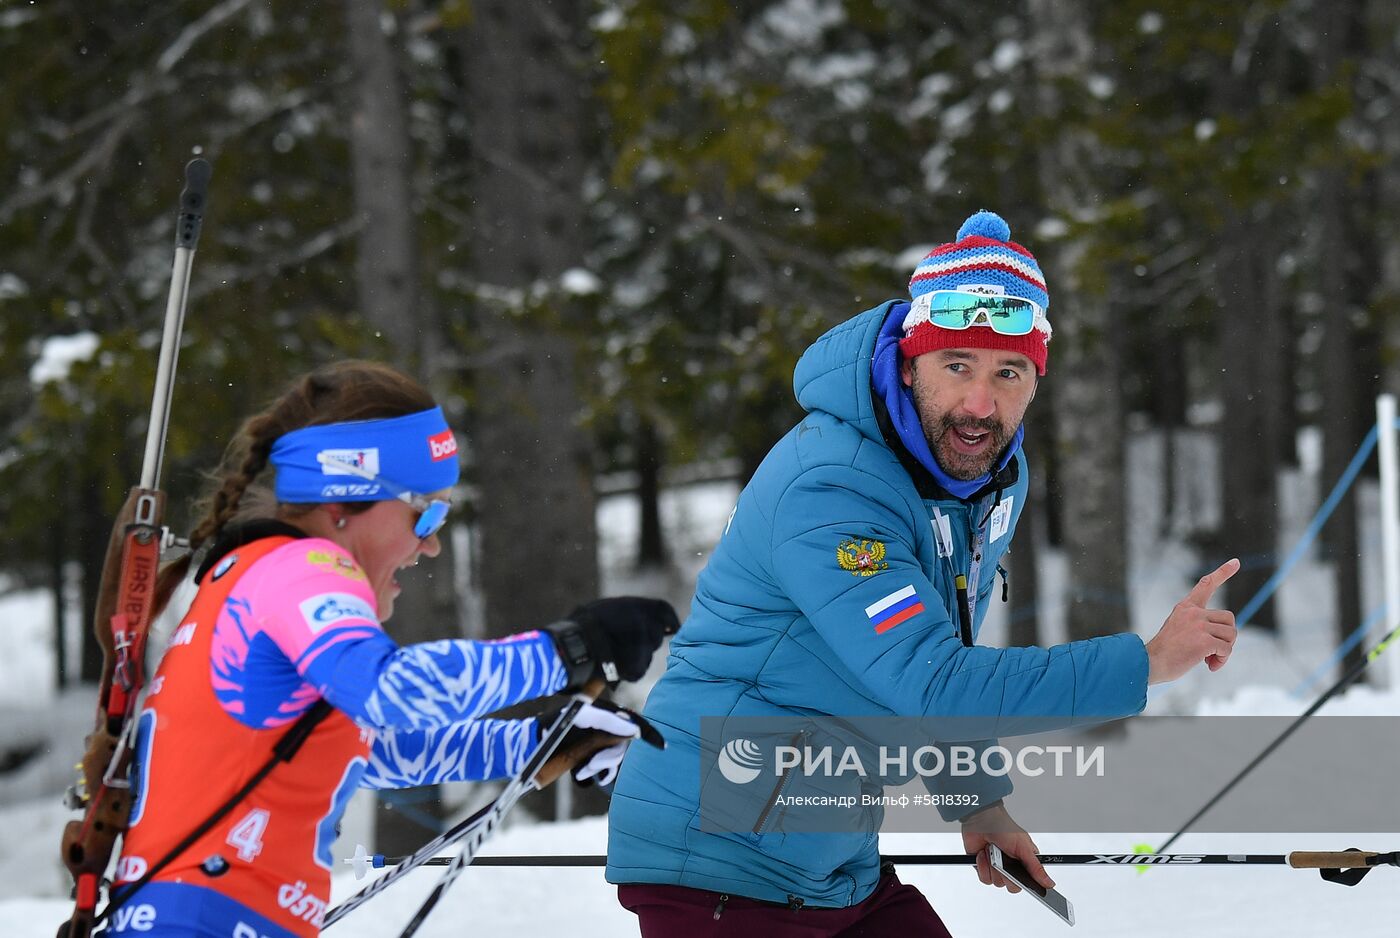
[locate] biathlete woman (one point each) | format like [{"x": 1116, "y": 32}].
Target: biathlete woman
[{"x": 289, "y": 611}]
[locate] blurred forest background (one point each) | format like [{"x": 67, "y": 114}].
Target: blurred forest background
[{"x": 604, "y": 231}]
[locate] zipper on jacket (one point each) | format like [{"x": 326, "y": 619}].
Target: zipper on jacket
[
  {"x": 795, "y": 903},
  {"x": 719, "y": 909},
  {"x": 1005, "y": 584},
  {"x": 777, "y": 789}
]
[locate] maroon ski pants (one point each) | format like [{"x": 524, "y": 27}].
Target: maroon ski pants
[{"x": 680, "y": 912}]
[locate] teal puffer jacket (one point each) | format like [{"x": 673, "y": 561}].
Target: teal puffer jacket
[{"x": 834, "y": 523}]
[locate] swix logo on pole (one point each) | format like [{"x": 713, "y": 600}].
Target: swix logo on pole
[
  {"x": 442, "y": 445},
  {"x": 1145, "y": 859}
]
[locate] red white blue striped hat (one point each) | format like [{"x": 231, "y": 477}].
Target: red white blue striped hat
[{"x": 982, "y": 256}]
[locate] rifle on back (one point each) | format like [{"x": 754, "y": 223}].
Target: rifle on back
[{"x": 126, "y": 601}]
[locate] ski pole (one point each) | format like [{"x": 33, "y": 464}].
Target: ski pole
[
  {"x": 1299, "y": 860},
  {"x": 516, "y": 790},
  {"x": 489, "y": 814},
  {"x": 1317, "y": 704},
  {"x": 420, "y": 857}
]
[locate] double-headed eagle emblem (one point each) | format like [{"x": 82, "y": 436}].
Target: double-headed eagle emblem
[{"x": 861, "y": 557}]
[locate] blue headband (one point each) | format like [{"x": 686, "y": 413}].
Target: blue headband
[{"x": 416, "y": 452}]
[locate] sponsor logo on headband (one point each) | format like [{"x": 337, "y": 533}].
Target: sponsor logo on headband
[
  {"x": 985, "y": 289},
  {"x": 350, "y": 490},
  {"x": 442, "y": 445},
  {"x": 366, "y": 460}
]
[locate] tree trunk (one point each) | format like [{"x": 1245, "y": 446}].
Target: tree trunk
[
  {"x": 386, "y": 280},
  {"x": 94, "y": 532},
  {"x": 533, "y": 460},
  {"x": 1251, "y": 333},
  {"x": 651, "y": 550},
  {"x": 1090, "y": 424},
  {"x": 1024, "y": 558},
  {"x": 1054, "y": 513},
  {"x": 1086, "y": 356},
  {"x": 57, "y": 562},
  {"x": 1337, "y": 253},
  {"x": 1169, "y": 399},
  {"x": 1247, "y": 293},
  {"x": 526, "y": 102}
]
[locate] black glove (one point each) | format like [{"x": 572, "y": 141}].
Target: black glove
[{"x": 612, "y": 639}]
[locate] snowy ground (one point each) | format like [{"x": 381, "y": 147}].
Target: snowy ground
[{"x": 1224, "y": 902}]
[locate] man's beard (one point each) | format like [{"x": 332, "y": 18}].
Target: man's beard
[
  {"x": 966, "y": 466},
  {"x": 938, "y": 432}
]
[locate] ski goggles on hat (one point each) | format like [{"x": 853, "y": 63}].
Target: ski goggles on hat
[
  {"x": 956, "y": 309},
  {"x": 432, "y": 512}
]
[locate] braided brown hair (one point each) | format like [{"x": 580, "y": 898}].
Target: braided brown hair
[{"x": 336, "y": 393}]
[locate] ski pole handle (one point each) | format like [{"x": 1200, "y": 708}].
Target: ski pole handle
[
  {"x": 1340, "y": 860},
  {"x": 562, "y": 762}
]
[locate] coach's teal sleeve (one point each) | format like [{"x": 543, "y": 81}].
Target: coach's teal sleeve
[{"x": 914, "y": 663}]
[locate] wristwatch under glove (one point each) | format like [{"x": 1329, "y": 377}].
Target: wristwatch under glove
[{"x": 612, "y": 639}]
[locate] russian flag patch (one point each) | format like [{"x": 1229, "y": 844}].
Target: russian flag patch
[{"x": 898, "y": 606}]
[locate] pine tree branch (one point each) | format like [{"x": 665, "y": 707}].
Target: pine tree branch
[
  {"x": 227, "y": 278},
  {"x": 195, "y": 31}
]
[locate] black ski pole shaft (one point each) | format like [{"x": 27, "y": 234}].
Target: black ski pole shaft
[
  {"x": 1297, "y": 859},
  {"x": 423, "y": 856},
  {"x": 1317, "y": 704},
  {"x": 420, "y": 857},
  {"x": 516, "y": 790},
  {"x": 457, "y": 832}
]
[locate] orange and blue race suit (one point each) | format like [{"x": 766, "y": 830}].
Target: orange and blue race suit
[{"x": 277, "y": 624}]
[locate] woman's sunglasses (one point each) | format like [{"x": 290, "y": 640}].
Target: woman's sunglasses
[{"x": 432, "y": 512}]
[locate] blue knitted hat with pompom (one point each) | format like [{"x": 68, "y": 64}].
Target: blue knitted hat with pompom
[{"x": 985, "y": 259}]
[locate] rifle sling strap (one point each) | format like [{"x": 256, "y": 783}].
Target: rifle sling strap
[{"x": 286, "y": 747}]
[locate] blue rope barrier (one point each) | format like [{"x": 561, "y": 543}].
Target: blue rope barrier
[
  {"x": 1353, "y": 469},
  {"x": 1360, "y": 632}
]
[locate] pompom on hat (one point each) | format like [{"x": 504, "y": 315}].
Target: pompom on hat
[{"x": 982, "y": 259}]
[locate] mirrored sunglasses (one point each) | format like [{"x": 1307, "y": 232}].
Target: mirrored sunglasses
[
  {"x": 1006, "y": 315},
  {"x": 432, "y": 512}
]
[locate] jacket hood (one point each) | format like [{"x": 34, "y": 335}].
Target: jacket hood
[{"x": 833, "y": 375}]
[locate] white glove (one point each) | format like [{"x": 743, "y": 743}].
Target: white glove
[{"x": 602, "y": 766}]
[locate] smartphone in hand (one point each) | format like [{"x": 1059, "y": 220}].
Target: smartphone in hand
[{"x": 1014, "y": 870}]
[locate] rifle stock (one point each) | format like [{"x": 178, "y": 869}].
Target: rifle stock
[{"x": 121, "y": 621}]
